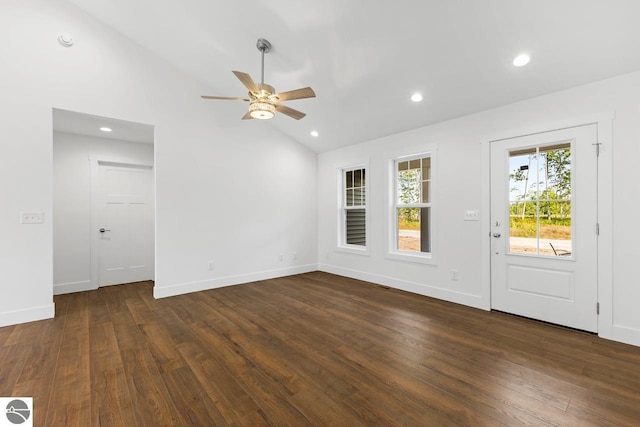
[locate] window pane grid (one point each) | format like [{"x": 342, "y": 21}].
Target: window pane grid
[
  {"x": 540, "y": 200},
  {"x": 413, "y": 205},
  {"x": 354, "y": 207}
]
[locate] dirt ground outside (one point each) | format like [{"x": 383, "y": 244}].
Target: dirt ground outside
[
  {"x": 409, "y": 243},
  {"x": 517, "y": 246}
]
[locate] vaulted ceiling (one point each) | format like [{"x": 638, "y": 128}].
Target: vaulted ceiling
[{"x": 365, "y": 59}]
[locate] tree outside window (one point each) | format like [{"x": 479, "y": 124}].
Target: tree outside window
[
  {"x": 413, "y": 205},
  {"x": 540, "y": 200}
]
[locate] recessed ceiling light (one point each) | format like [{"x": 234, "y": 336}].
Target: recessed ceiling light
[
  {"x": 416, "y": 97},
  {"x": 521, "y": 60},
  {"x": 314, "y": 133},
  {"x": 105, "y": 129}
]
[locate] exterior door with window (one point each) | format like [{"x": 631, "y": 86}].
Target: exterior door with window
[{"x": 544, "y": 226}]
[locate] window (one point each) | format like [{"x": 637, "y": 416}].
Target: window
[
  {"x": 354, "y": 208},
  {"x": 540, "y": 213},
  {"x": 413, "y": 205}
]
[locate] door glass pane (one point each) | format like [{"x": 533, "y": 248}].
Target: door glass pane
[{"x": 540, "y": 200}]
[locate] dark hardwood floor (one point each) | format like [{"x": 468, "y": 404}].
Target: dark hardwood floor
[{"x": 313, "y": 349}]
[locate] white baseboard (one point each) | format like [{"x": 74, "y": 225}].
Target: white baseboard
[
  {"x": 29, "y": 315},
  {"x": 203, "y": 285},
  {"x": 67, "y": 288},
  {"x": 624, "y": 334},
  {"x": 414, "y": 287}
]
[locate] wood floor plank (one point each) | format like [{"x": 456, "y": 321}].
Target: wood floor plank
[
  {"x": 150, "y": 400},
  {"x": 70, "y": 414},
  {"x": 69, "y": 400},
  {"x": 5, "y": 333},
  {"x": 110, "y": 398},
  {"x": 310, "y": 349},
  {"x": 225, "y": 391},
  {"x": 36, "y": 378},
  {"x": 12, "y": 361},
  {"x": 162, "y": 346},
  {"x": 99, "y": 312},
  {"x": 193, "y": 405},
  {"x": 279, "y": 410}
]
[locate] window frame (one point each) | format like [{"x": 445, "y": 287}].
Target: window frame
[
  {"x": 342, "y": 244},
  {"x": 393, "y": 251}
]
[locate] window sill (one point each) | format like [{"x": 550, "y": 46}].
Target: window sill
[
  {"x": 420, "y": 258},
  {"x": 353, "y": 249}
]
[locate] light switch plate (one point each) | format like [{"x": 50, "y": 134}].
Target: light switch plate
[
  {"x": 471, "y": 215},
  {"x": 32, "y": 217}
]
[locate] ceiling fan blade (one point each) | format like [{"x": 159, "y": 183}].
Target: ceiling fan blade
[
  {"x": 305, "y": 92},
  {"x": 225, "y": 98},
  {"x": 246, "y": 80},
  {"x": 247, "y": 116},
  {"x": 290, "y": 111}
]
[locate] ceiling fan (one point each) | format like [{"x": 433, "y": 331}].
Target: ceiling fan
[{"x": 263, "y": 99}]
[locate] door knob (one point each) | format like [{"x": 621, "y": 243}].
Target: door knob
[
  {"x": 496, "y": 235},
  {"x": 102, "y": 230}
]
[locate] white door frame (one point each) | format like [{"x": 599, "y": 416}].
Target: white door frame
[
  {"x": 604, "y": 124},
  {"x": 95, "y": 206}
]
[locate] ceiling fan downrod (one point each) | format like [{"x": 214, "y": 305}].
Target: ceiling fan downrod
[{"x": 263, "y": 46}]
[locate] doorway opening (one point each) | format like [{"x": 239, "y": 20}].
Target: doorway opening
[{"x": 103, "y": 178}]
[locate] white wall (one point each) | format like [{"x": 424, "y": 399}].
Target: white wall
[
  {"x": 462, "y": 169},
  {"x": 214, "y": 173},
  {"x": 72, "y": 202}
]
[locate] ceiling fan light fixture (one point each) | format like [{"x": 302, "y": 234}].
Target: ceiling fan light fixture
[
  {"x": 263, "y": 99},
  {"x": 262, "y": 110}
]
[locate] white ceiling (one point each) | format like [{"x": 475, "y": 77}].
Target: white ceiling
[
  {"x": 365, "y": 58},
  {"x": 89, "y": 125}
]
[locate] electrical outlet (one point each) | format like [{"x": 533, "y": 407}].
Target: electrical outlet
[
  {"x": 211, "y": 265},
  {"x": 295, "y": 256},
  {"x": 454, "y": 275},
  {"x": 281, "y": 257}
]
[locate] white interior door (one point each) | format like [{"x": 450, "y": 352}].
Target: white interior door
[
  {"x": 125, "y": 224},
  {"x": 544, "y": 226}
]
